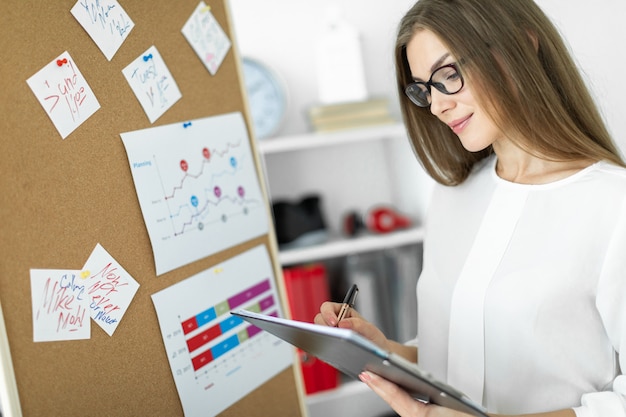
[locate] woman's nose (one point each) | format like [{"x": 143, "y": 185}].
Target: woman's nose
[{"x": 440, "y": 102}]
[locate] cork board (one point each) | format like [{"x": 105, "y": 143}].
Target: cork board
[{"x": 62, "y": 197}]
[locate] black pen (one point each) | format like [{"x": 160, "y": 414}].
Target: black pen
[{"x": 348, "y": 303}]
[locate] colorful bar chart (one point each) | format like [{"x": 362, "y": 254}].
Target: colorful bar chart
[
  {"x": 197, "y": 337},
  {"x": 224, "y": 346},
  {"x": 210, "y": 350},
  {"x": 226, "y": 306}
]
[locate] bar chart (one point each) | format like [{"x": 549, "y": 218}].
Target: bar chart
[
  {"x": 204, "y": 334},
  {"x": 209, "y": 350}
]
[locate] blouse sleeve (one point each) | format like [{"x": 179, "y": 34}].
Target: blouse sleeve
[{"x": 611, "y": 303}]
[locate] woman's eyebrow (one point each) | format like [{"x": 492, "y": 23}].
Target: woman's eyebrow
[
  {"x": 439, "y": 62},
  {"x": 436, "y": 65}
]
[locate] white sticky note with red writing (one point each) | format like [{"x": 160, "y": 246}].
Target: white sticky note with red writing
[
  {"x": 60, "y": 305},
  {"x": 109, "y": 287},
  {"x": 64, "y": 94},
  {"x": 152, "y": 83},
  {"x": 105, "y": 21}
]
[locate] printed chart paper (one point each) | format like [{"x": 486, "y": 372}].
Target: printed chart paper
[
  {"x": 64, "y": 94},
  {"x": 206, "y": 37},
  {"x": 60, "y": 305},
  {"x": 197, "y": 187},
  {"x": 109, "y": 287},
  {"x": 105, "y": 21},
  {"x": 209, "y": 350},
  {"x": 152, "y": 83}
]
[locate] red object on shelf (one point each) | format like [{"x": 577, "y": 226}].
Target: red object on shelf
[
  {"x": 307, "y": 288},
  {"x": 380, "y": 219},
  {"x": 385, "y": 220}
]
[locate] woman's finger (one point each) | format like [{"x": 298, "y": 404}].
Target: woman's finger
[
  {"x": 398, "y": 399},
  {"x": 328, "y": 314}
]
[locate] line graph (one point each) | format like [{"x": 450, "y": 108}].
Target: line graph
[
  {"x": 206, "y": 153},
  {"x": 197, "y": 187},
  {"x": 207, "y": 193}
]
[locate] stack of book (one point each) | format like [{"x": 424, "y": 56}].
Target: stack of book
[{"x": 350, "y": 115}]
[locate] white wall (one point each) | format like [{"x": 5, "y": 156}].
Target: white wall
[
  {"x": 282, "y": 33},
  {"x": 596, "y": 33}
]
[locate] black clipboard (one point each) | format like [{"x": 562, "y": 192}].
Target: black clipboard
[{"x": 351, "y": 353}]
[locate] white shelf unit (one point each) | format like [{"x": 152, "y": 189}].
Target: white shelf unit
[
  {"x": 351, "y": 169},
  {"x": 385, "y": 149}
]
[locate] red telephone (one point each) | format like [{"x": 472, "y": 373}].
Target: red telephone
[{"x": 380, "y": 219}]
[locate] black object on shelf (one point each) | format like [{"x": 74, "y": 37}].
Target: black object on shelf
[{"x": 299, "y": 221}]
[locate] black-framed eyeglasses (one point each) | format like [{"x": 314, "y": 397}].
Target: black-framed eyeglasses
[{"x": 446, "y": 79}]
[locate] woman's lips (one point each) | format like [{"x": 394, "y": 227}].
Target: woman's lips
[{"x": 458, "y": 125}]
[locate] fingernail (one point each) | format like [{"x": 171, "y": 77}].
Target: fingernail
[{"x": 365, "y": 376}]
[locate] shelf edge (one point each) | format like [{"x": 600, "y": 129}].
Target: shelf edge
[
  {"x": 345, "y": 247},
  {"x": 319, "y": 139}
]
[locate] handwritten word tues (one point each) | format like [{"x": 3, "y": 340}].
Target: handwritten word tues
[
  {"x": 152, "y": 83},
  {"x": 60, "y": 306},
  {"x": 110, "y": 289},
  {"x": 64, "y": 94}
]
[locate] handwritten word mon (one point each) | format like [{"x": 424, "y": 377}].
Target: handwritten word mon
[
  {"x": 109, "y": 291},
  {"x": 107, "y": 282},
  {"x": 102, "y": 14},
  {"x": 106, "y": 22},
  {"x": 61, "y": 299}
]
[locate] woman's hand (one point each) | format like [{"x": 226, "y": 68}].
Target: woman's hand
[
  {"x": 353, "y": 321},
  {"x": 401, "y": 402}
]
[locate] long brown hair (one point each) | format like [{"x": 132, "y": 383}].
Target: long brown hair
[{"x": 522, "y": 74}]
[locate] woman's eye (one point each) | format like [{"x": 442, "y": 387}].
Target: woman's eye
[{"x": 450, "y": 75}]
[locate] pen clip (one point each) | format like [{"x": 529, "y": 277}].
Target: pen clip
[
  {"x": 350, "y": 297},
  {"x": 348, "y": 303},
  {"x": 353, "y": 300}
]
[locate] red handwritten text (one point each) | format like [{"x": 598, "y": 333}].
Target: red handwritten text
[
  {"x": 102, "y": 292},
  {"x": 69, "y": 91},
  {"x": 60, "y": 298}
]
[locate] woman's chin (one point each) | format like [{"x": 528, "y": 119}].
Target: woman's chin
[{"x": 474, "y": 146}]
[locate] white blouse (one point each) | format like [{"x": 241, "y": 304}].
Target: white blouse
[{"x": 522, "y": 298}]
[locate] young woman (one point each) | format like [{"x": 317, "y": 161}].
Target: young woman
[{"x": 522, "y": 297}]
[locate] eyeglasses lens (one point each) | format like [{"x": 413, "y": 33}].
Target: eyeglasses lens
[{"x": 446, "y": 79}]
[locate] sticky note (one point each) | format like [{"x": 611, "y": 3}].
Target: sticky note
[
  {"x": 64, "y": 94},
  {"x": 206, "y": 37},
  {"x": 109, "y": 288},
  {"x": 60, "y": 305},
  {"x": 152, "y": 83},
  {"x": 105, "y": 21}
]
